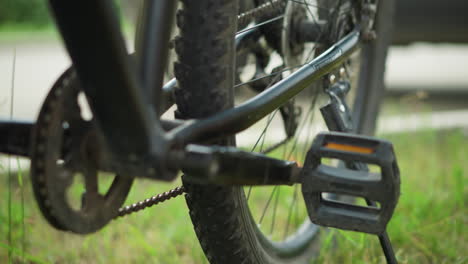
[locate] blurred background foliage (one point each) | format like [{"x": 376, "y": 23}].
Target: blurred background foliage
[{"x": 32, "y": 13}]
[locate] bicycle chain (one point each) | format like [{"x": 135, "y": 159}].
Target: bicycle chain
[{"x": 141, "y": 205}]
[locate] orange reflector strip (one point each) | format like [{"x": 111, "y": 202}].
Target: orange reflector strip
[{"x": 349, "y": 148}]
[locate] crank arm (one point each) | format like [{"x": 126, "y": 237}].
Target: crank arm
[{"x": 231, "y": 166}]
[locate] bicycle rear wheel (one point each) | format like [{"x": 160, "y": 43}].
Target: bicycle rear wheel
[{"x": 227, "y": 220}]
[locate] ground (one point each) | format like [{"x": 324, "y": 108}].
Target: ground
[{"x": 428, "y": 226}]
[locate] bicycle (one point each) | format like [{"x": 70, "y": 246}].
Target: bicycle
[{"x": 321, "y": 44}]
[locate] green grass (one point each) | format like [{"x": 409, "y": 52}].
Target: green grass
[
  {"x": 30, "y": 33},
  {"x": 14, "y": 33},
  {"x": 163, "y": 234},
  {"x": 429, "y": 225}
]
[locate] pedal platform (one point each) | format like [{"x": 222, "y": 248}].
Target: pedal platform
[{"x": 381, "y": 189}]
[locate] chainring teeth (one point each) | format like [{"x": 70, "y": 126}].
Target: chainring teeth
[
  {"x": 60, "y": 213},
  {"x": 39, "y": 180}
]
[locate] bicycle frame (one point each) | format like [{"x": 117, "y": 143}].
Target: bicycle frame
[
  {"x": 123, "y": 93},
  {"x": 125, "y": 96}
]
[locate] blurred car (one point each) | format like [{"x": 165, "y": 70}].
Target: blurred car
[{"x": 431, "y": 21}]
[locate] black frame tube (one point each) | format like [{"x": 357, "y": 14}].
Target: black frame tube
[
  {"x": 92, "y": 36},
  {"x": 15, "y": 137},
  {"x": 116, "y": 91},
  {"x": 153, "y": 48},
  {"x": 243, "y": 116}
]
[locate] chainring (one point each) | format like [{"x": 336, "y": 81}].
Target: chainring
[{"x": 64, "y": 147}]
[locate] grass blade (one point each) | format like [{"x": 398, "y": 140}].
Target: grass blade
[
  {"x": 10, "y": 181},
  {"x": 23, "y": 254},
  {"x": 23, "y": 226}
]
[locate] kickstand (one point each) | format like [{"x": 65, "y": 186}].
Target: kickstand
[{"x": 385, "y": 242}]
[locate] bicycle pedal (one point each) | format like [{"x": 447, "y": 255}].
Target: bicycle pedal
[{"x": 354, "y": 179}]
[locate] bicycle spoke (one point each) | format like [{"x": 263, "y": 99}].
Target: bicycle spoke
[
  {"x": 275, "y": 146},
  {"x": 310, "y": 110},
  {"x": 248, "y": 193},
  {"x": 309, "y": 137},
  {"x": 296, "y": 206},
  {"x": 271, "y": 20},
  {"x": 310, "y": 54},
  {"x": 277, "y": 73},
  {"x": 309, "y": 113},
  {"x": 267, "y": 204},
  {"x": 287, "y": 216},
  {"x": 275, "y": 207},
  {"x": 270, "y": 118},
  {"x": 290, "y": 209}
]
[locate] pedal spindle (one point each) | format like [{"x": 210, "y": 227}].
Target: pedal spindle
[{"x": 320, "y": 179}]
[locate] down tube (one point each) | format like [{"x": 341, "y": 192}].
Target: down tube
[
  {"x": 153, "y": 46},
  {"x": 243, "y": 116},
  {"x": 92, "y": 36}
]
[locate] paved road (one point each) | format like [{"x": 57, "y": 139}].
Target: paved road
[
  {"x": 421, "y": 66},
  {"x": 38, "y": 64}
]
